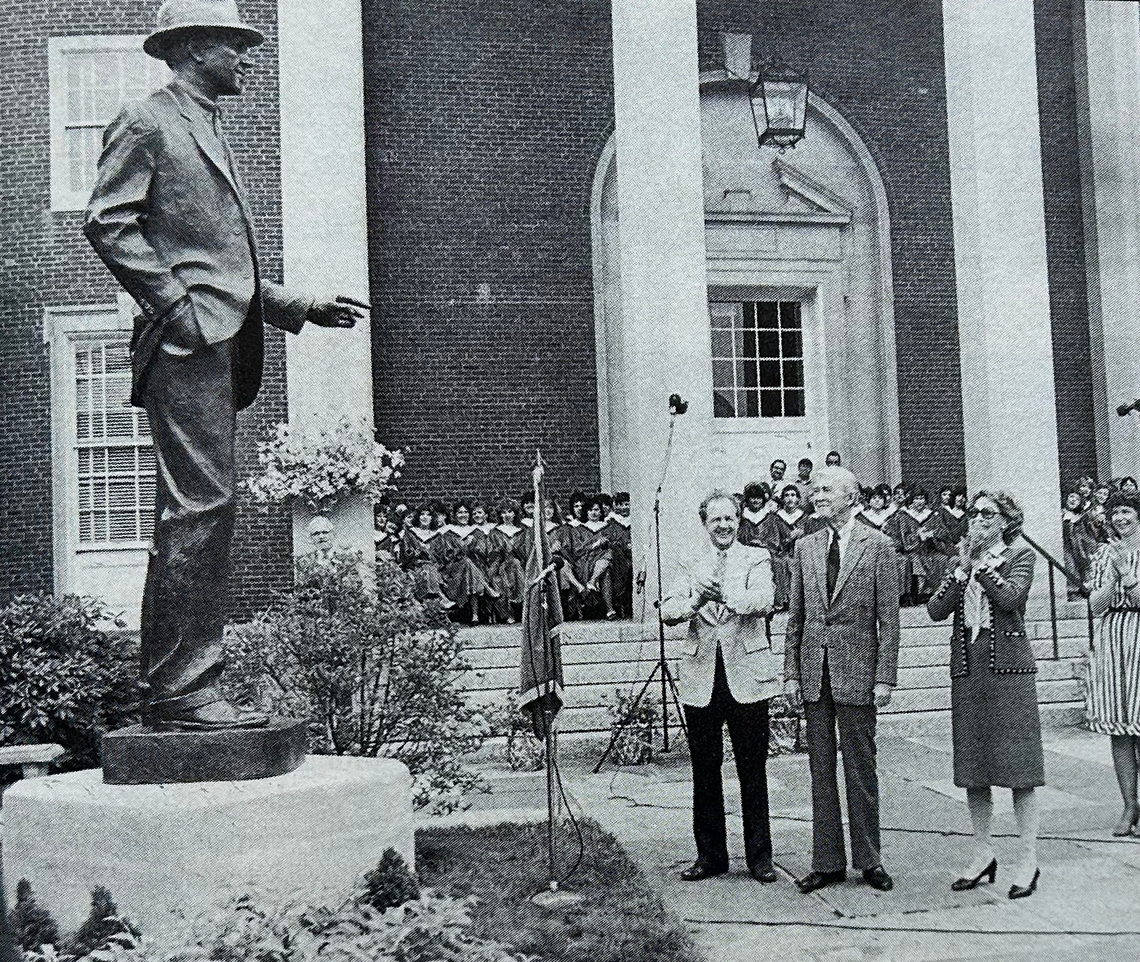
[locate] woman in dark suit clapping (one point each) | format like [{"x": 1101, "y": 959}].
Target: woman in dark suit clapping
[{"x": 994, "y": 714}]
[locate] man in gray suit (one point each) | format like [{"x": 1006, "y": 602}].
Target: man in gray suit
[
  {"x": 728, "y": 673},
  {"x": 841, "y": 657},
  {"x": 169, "y": 217}
]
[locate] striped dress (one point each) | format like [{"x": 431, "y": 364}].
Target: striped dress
[{"x": 1112, "y": 700}]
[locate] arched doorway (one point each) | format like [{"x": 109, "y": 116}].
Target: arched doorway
[{"x": 801, "y": 320}]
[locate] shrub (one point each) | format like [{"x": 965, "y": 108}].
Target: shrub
[
  {"x": 522, "y": 750},
  {"x": 374, "y": 670},
  {"x": 632, "y": 727},
  {"x": 103, "y": 925},
  {"x": 63, "y": 677},
  {"x": 390, "y": 884},
  {"x": 428, "y": 929},
  {"x": 30, "y": 925}
]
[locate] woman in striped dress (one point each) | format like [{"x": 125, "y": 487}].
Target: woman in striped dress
[{"x": 1113, "y": 694}]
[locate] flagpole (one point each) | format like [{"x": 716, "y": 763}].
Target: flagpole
[{"x": 547, "y": 722}]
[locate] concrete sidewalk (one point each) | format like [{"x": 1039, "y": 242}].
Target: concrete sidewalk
[{"x": 1087, "y": 906}]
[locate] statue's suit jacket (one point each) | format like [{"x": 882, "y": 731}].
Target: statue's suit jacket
[
  {"x": 738, "y": 626},
  {"x": 858, "y": 626},
  {"x": 169, "y": 217}
]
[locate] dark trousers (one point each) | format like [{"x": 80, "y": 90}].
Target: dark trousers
[
  {"x": 748, "y": 730},
  {"x": 189, "y": 401},
  {"x": 857, "y": 733}
]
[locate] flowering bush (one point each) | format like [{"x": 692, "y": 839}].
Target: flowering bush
[
  {"x": 522, "y": 751},
  {"x": 318, "y": 470},
  {"x": 64, "y": 677},
  {"x": 374, "y": 671}
]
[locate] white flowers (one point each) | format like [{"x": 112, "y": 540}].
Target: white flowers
[{"x": 319, "y": 469}]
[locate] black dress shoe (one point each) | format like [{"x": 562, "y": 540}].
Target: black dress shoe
[
  {"x": 213, "y": 716},
  {"x": 878, "y": 878},
  {"x": 1023, "y": 892},
  {"x": 989, "y": 873},
  {"x": 701, "y": 869},
  {"x": 764, "y": 874},
  {"x": 819, "y": 880}
]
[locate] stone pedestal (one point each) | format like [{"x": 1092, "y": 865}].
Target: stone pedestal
[
  {"x": 170, "y": 850},
  {"x": 143, "y": 756}
]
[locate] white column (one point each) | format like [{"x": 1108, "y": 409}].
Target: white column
[
  {"x": 324, "y": 210},
  {"x": 664, "y": 292},
  {"x": 999, "y": 250},
  {"x": 1112, "y": 191}
]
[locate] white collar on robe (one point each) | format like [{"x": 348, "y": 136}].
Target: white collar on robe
[{"x": 791, "y": 518}]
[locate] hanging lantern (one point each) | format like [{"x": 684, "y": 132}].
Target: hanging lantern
[{"x": 779, "y": 99}]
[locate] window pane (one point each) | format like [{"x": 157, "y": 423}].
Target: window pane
[
  {"x": 794, "y": 404},
  {"x": 766, "y": 314},
  {"x": 769, "y": 373},
  {"x": 722, "y": 374},
  {"x": 767, "y": 344},
  {"x": 115, "y": 463},
  {"x": 790, "y": 313},
  {"x": 793, "y": 343},
  {"x": 793, "y": 373},
  {"x": 770, "y": 404},
  {"x": 749, "y": 404},
  {"x": 722, "y": 343},
  {"x": 722, "y": 405}
]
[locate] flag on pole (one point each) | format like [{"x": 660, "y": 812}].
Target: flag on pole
[{"x": 540, "y": 683}]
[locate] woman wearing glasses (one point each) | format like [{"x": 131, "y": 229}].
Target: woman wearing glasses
[
  {"x": 1113, "y": 693},
  {"x": 993, "y": 695}
]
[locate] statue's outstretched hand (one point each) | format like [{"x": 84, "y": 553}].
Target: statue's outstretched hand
[{"x": 343, "y": 311}]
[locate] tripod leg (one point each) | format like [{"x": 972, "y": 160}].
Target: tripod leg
[{"x": 620, "y": 726}]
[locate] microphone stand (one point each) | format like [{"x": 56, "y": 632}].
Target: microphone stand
[{"x": 668, "y": 684}]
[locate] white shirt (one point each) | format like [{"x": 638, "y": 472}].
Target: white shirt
[
  {"x": 977, "y": 603},
  {"x": 844, "y": 535}
]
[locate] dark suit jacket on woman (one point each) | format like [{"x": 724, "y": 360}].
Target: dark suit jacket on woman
[{"x": 1007, "y": 589}]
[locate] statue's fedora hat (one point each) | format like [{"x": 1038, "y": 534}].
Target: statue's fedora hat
[{"x": 177, "y": 17}]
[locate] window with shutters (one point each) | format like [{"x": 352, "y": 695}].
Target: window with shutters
[
  {"x": 90, "y": 79},
  {"x": 758, "y": 359},
  {"x": 114, "y": 463}
]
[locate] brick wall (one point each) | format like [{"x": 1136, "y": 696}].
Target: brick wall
[
  {"x": 1065, "y": 237},
  {"x": 483, "y": 144},
  {"x": 45, "y": 261}
]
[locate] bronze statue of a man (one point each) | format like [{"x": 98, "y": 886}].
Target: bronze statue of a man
[{"x": 170, "y": 218}]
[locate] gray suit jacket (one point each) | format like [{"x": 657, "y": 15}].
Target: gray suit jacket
[
  {"x": 738, "y": 626},
  {"x": 169, "y": 217},
  {"x": 858, "y": 626}
]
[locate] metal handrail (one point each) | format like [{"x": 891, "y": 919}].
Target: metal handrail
[{"x": 1074, "y": 579}]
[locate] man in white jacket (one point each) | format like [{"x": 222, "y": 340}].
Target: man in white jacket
[{"x": 727, "y": 674}]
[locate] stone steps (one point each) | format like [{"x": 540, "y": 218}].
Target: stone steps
[{"x": 600, "y": 658}]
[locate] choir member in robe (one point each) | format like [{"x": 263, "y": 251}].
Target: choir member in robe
[
  {"x": 509, "y": 579},
  {"x": 953, "y": 514},
  {"x": 416, "y": 555},
  {"x": 925, "y": 547},
  {"x": 593, "y": 559},
  {"x": 1070, "y": 518},
  {"x": 463, "y": 581},
  {"x": 781, "y": 530},
  {"x": 756, "y": 507},
  {"x": 621, "y": 545},
  {"x": 487, "y": 553},
  {"x": 877, "y": 513}
]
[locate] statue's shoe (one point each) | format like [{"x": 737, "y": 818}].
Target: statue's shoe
[{"x": 213, "y": 716}]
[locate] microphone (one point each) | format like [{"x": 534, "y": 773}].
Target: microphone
[
  {"x": 678, "y": 405},
  {"x": 1125, "y": 409}
]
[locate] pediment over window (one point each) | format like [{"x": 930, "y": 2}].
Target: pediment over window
[{"x": 804, "y": 200}]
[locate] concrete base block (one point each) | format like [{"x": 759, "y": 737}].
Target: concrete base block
[{"x": 169, "y": 851}]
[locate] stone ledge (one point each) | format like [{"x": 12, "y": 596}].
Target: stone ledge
[{"x": 176, "y": 849}]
